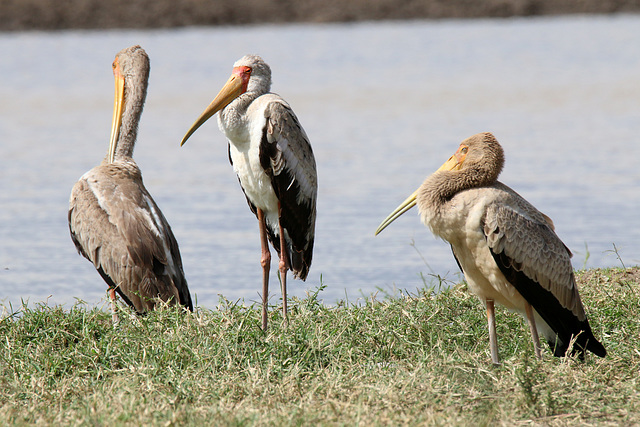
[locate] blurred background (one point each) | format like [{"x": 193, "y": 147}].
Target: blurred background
[
  {"x": 386, "y": 90},
  {"x": 100, "y": 14}
]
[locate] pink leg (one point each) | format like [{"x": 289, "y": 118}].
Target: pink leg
[
  {"x": 534, "y": 331},
  {"x": 493, "y": 340},
  {"x": 265, "y": 261},
  {"x": 283, "y": 266},
  {"x": 114, "y": 314}
]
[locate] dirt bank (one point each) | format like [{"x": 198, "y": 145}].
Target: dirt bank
[{"x": 64, "y": 14}]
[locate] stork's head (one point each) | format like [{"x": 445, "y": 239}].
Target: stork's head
[
  {"x": 131, "y": 74},
  {"x": 478, "y": 161},
  {"x": 250, "y": 75},
  {"x": 480, "y": 158},
  {"x": 256, "y": 74}
]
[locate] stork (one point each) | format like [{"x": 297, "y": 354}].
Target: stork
[
  {"x": 506, "y": 248},
  {"x": 114, "y": 221},
  {"x": 272, "y": 157}
]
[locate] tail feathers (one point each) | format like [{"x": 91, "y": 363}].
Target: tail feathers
[
  {"x": 581, "y": 342},
  {"x": 299, "y": 261}
]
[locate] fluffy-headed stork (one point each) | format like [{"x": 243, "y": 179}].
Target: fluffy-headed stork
[
  {"x": 271, "y": 154},
  {"x": 114, "y": 221},
  {"x": 506, "y": 248}
]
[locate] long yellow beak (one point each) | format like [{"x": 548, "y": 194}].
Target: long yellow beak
[
  {"x": 451, "y": 164},
  {"x": 230, "y": 91},
  {"x": 404, "y": 206},
  {"x": 118, "y": 108}
]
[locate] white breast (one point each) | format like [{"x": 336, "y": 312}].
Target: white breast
[{"x": 244, "y": 136}]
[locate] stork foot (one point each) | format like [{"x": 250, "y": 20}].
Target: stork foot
[
  {"x": 114, "y": 308},
  {"x": 493, "y": 340},
  {"x": 283, "y": 266},
  {"x": 265, "y": 261},
  {"x": 534, "y": 330},
  {"x": 283, "y": 281}
]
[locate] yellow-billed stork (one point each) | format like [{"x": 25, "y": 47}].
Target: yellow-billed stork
[
  {"x": 506, "y": 248},
  {"x": 271, "y": 154},
  {"x": 114, "y": 221}
]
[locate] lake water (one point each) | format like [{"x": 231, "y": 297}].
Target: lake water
[{"x": 384, "y": 104}]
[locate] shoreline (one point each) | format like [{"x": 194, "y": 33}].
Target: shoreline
[{"x": 22, "y": 15}]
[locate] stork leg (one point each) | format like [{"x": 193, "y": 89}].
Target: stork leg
[
  {"x": 265, "y": 261},
  {"x": 493, "y": 340},
  {"x": 283, "y": 266},
  {"x": 534, "y": 331},
  {"x": 114, "y": 313}
]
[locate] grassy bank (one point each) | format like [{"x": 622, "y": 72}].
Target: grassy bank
[{"x": 412, "y": 360}]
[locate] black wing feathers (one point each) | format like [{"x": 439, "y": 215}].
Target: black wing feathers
[
  {"x": 286, "y": 156},
  {"x": 536, "y": 262},
  {"x": 564, "y": 323}
]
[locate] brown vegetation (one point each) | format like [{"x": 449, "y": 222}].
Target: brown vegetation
[{"x": 66, "y": 14}]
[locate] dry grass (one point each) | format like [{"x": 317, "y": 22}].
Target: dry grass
[{"x": 420, "y": 359}]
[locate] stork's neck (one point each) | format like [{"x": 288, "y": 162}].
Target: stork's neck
[
  {"x": 436, "y": 190},
  {"x": 135, "y": 95},
  {"x": 234, "y": 121},
  {"x": 442, "y": 186}
]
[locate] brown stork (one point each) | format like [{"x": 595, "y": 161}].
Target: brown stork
[{"x": 114, "y": 221}]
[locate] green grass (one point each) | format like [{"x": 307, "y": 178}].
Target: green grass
[{"x": 420, "y": 359}]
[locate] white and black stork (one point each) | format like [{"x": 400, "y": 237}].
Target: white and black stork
[{"x": 271, "y": 154}]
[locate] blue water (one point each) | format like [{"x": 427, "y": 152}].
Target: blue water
[{"x": 384, "y": 104}]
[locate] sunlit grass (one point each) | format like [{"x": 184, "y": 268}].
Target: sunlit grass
[{"x": 410, "y": 359}]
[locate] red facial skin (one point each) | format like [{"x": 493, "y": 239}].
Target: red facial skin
[{"x": 244, "y": 73}]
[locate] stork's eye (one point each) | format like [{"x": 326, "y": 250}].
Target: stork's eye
[{"x": 464, "y": 150}]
